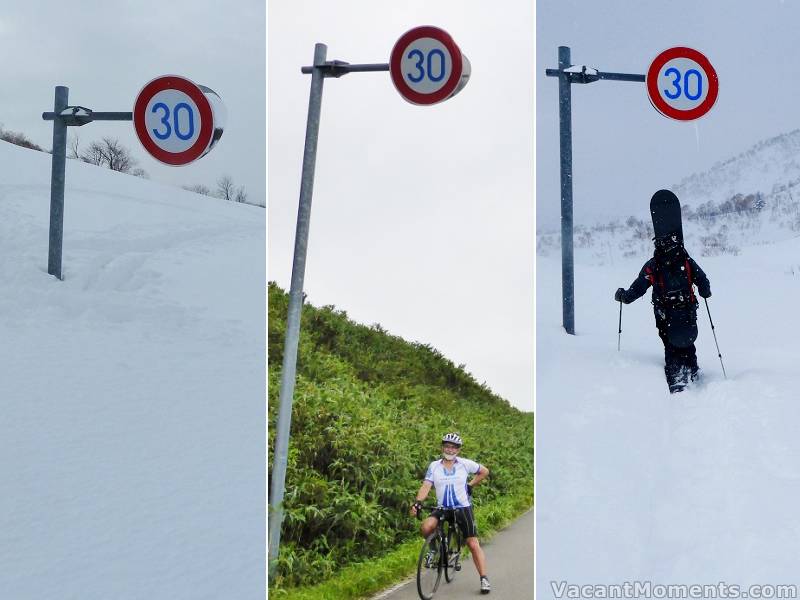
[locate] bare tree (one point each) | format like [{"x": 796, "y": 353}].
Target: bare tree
[
  {"x": 93, "y": 154},
  {"x": 109, "y": 153},
  {"x": 225, "y": 188},
  {"x": 198, "y": 188},
  {"x": 241, "y": 195},
  {"x": 18, "y": 139},
  {"x": 139, "y": 172}
]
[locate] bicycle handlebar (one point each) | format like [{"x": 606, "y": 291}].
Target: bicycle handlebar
[{"x": 431, "y": 507}]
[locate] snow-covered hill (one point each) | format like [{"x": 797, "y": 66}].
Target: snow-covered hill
[
  {"x": 748, "y": 199},
  {"x": 769, "y": 166},
  {"x": 131, "y": 393},
  {"x": 634, "y": 484}
]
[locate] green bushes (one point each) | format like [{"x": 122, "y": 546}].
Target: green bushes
[{"x": 368, "y": 414}]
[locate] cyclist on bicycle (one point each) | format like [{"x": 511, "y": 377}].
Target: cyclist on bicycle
[{"x": 449, "y": 476}]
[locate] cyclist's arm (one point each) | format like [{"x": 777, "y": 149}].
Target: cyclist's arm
[
  {"x": 423, "y": 492},
  {"x": 482, "y": 473}
]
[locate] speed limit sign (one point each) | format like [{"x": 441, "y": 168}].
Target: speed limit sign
[
  {"x": 427, "y": 66},
  {"x": 176, "y": 120},
  {"x": 682, "y": 84}
]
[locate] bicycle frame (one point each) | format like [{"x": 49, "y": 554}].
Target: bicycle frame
[{"x": 448, "y": 543}]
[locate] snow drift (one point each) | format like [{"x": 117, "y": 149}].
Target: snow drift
[
  {"x": 634, "y": 484},
  {"x": 132, "y": 424}
]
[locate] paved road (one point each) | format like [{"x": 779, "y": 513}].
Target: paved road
[{"x": 509, "y": 558}]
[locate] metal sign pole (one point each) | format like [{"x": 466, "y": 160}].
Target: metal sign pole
[
  {"x": 64, "y": 116},
  {"x": 319, "y": 71},
  {"x": 288, "y": 372},
  {"x": 565, "y": 136},
  {"x": 57, "y": 184},
  {"x": 566, "y": 77}
]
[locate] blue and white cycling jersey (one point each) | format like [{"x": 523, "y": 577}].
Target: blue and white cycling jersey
[{"x": 451, "y": 484}]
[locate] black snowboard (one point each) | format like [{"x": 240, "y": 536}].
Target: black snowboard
[{"x": 666, "y": 212}]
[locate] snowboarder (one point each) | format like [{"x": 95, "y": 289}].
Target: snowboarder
[{"x": 672, "y": 273}]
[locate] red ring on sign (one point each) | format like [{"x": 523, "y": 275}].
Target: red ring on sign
[
  {"x": 426, "y": 31},
  {"x": 204, "y": 138},
  {"x": 652, "y": 84}
]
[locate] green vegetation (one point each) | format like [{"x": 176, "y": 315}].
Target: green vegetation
[{"x": 369, "y": 411}]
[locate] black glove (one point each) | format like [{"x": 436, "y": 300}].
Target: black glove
[
  {"x": 618, "y": 294},
  {"x": 469, "y": 490},
  {"x": 705, "y": 293}
]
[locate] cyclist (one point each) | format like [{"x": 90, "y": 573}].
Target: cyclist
[{"x": 449, "y": 476}]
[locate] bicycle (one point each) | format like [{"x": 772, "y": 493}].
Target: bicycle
[{"x": 441, "y": 552}]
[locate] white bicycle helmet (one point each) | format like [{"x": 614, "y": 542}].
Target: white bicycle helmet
[{"x": 452, "y": 438}]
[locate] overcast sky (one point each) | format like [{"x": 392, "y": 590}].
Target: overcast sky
[
  {"x": 422, "y": 218},
  {"x": 106, "y": 51},
  {"x": 623, "y": 150}
]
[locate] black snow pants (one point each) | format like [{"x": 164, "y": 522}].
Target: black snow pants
[{"x": 680, "y": 364}]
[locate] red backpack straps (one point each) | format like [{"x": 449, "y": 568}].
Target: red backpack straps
[
  {"x": 689, "y": 276},
  {"x": 650, "y": 276}
]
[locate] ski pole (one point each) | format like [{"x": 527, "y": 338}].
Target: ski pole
[
  {"x": 715, "y": 338},
  {"x": 619, "y": 335}
]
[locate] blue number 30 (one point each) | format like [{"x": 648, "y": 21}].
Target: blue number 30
[
  {"x": 685, "y": 90},
  {"x": 416, "y": 78},
  {"x": 168, "y": 129}
]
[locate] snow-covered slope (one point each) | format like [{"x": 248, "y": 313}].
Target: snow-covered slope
[
  {"x": 131, "y": 393},
  {"x": 699, "y": 487},
  {"x": 767, "y": 167},
  {"x": 634, "y": 484}
]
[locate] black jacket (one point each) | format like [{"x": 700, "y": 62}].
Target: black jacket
[{"x": 668, "y": 280}]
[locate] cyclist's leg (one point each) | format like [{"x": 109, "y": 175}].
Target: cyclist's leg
[
  {"x": 478, "y": 557},
  {"x": 428, "y": 526},
  {"x": 466, "y": 521}
]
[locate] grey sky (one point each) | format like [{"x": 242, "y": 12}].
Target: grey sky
[
  {"x": 423, "y": 216},
  {"x": 106, "y": 51},
  {"x": 623, "y": 149}
]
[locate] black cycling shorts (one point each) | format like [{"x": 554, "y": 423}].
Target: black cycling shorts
[{"x": 464, "y": 518}]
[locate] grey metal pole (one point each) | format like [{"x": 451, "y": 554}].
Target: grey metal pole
[
  {"x": 710, "y": 320},
  {"x": 565, "y": 131},
  {"x": 288, "y": 373},
  {"x": 57, "y": 184}
]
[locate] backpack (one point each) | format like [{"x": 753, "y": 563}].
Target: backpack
[{"x": 671, "y": 298}]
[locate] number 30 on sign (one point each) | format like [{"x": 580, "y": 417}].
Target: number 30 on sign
[
  {"x": 427, "y": 66},
  {"x": 682, "y": 84},
  {"x": 176, "y": 120}
]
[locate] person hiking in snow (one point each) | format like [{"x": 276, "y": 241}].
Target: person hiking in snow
[{"x": 672, "y": 273}]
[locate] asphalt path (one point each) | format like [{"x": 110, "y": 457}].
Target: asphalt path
[{"x": 509, "y": 560}]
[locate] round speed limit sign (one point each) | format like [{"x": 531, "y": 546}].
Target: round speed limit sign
[
  {"x": 174, "y": 120},
  {"x": 427, "y": 66},
  {"x": 682, "y": 84}
]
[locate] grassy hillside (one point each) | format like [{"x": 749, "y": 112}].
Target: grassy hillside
[{"x": 369, "y": 411}]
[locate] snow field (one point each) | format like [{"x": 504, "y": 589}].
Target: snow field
[
  {"x": 132, "y": 430},
  {"x": 636, "y": 484}
]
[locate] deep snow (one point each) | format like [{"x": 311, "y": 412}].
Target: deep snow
[
  {"x": 694, "y": 488},
  {"x": 132, "y": 408}
]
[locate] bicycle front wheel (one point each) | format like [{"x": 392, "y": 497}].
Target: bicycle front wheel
[{"x": 429, "y": 567}]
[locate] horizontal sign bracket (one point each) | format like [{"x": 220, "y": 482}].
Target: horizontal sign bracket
[
  {"x": 585, "y": 76},
  {"x": 337, "y": 68},
  {"x": 75, "y": 116}
]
